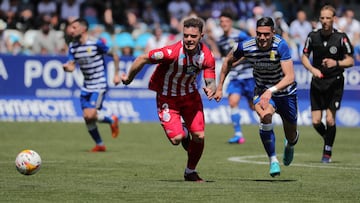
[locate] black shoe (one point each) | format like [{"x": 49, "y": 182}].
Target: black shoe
[{"x": 192, "y": 177}]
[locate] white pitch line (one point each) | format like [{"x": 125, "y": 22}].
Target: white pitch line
[{"x": 245, "y": 159}]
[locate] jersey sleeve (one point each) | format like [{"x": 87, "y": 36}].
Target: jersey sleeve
[
  {"x": 238, "y": 50},
  {"x": 165, "y": 54},
  {"x": 209, "y": 69},
  {"x": 347, "y": 47},
  {"x": 284, "y": 51},
  {"x": 307, "y": 47},
  {"x": 100, "y": 43}
]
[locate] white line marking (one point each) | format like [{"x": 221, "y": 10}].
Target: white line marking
[{"x": 247, "y": 159}]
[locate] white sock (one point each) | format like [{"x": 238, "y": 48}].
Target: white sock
[
  {"x": 187, "y": 170},
  {"x": 273, "y": 159}
]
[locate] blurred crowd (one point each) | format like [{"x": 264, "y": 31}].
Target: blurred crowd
[{"x": 132, "y": 27}]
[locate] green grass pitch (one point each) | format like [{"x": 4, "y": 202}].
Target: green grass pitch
[{"x": 142, "y": 166}]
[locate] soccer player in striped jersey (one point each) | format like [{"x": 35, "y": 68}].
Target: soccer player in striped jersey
[
  {"x": 88, "y": 54},
  {"x": 275, "y": 88},
  {"x": 177, "y": 96},
  {"x": 241, "y": 81}
]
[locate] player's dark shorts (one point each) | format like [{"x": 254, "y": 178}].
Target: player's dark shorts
[
  {"x": 285, "y": 106},
  {"x": 326, "y": 93},
  {"x": 243, "y": 87}
]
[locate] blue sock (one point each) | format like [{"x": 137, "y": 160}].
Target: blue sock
[
  {"x": 96, "y": 136},
  {"x": 93, "y": 130},
  {"x": 235, "y": 119},
  {"x": 268, "y": 139}
]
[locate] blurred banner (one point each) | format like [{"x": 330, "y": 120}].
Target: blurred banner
[{"x": 37, "y": 89}]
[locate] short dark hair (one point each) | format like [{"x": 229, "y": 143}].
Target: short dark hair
[
  {"x": 265, "y": 21},
  {"x": 228, "y": 14},
  {"x": 82, "y": 22},
  {"x": 194, "y": 22}
]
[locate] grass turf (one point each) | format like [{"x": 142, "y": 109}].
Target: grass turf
[{"x": 142, "y": 166}]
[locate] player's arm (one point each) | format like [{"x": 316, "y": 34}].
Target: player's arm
[
  {"x": 135, "y": 68},
  {"x": 116, "y": 60},
  {"x": 69, "y": 66},
  {"x": 347, "y": 62},
  {"x": 210, "y": 87},
  {"x": 225, "y": 68}
]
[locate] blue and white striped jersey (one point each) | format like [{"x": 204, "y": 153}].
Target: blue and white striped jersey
[
  {"x": 90, "y": 58},
  {"x": 225, "y": 44},
  {"x": 266, "y": 64}
]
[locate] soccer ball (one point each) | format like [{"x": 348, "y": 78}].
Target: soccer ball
[{"x": 28, "y": 162}]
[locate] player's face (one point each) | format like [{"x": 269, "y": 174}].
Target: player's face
[
  {"x": 225, "y": 23},
  {"x": 264, "y": 37},
  {"x": 76, "y": 30},
  {"x": 192, "y": 36},
  {"x": 327, "y": 19}
]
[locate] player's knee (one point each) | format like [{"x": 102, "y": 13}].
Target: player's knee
[
  {"x": 176, "y": 140},
  {"x": 198, "y": 137}
]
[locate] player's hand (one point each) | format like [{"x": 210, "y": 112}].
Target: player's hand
[
  {"x": 218, "y": 95},
  {"x": 264, "y": 99},
  {"x": 125, "y": 79},
  {"x": 317, "y": 73},
  {"x": 210, "y": 94},
  {"x": 116, "y": 79}
]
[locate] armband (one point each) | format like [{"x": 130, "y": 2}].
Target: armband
[{"x": 273, "y": 89}]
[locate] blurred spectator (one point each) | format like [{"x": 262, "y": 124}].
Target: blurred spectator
[
  {"x": 47, "y": 41},
  {"x": 203, "y": 9},
  {"x": 46, "y": 7},
  {"x": 26, "y": 16},
  {"x": 70, "y": 10},
  {"x": 92, "y": 10},
  {"x": 245, "y": 9},
  {"x": 258, "y": 12},
  {"x": 299, "y": 30},
  {"x": 15, "y": 45},
  {"x": 269, "y": 7},
  {"x": 178, "y": 9},
  {"x": 134, "y": 25},
  {"x": 9, "y": 9},
  {"x": 350, "y": 26},
  {"x": 282, "y": 29},
  {"x": 150, "y": 15},
  {"x": 220, "y": 5},
  {"x": 159, "y": 39},
  {"x": 3, "y": 45}
]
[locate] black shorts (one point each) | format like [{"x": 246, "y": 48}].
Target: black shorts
[{"x": 326, "y": 93}]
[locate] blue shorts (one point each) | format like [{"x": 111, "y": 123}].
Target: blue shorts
[
  {"x": 286, "y": 107},
  {"x": 92, "y": 99},
  {"x": 244, "y": 87}
]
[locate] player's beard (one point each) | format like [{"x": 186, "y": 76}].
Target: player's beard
[{"x": 76, "y": 38}]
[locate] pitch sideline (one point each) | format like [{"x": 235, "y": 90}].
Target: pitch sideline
[{"x": 248, "y": 159}]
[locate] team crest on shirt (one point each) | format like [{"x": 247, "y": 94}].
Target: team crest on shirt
[
  {"x": 88, "y": 50},
  {"x": 333, "y": 50},
  {"x": 157, "y": 55},
  {"x": 272, "y": 55}
]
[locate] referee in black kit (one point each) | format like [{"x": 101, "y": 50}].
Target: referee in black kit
[{"x": 332, "y": 52}]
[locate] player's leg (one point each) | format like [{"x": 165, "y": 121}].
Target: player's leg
[
  {"x": 234, "y": 91},
  {"x": 336, "y": 93},
  {"x": 88, "y": 106},
  {"x": 112, "y": 120},
  {"x": 267, "y": 135},
  {"x": 194, "y": 118},
  {"x": 235, "y": 116},
  {"x": 287, "y": 109},
  {"x": 170, "y": 119}
]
